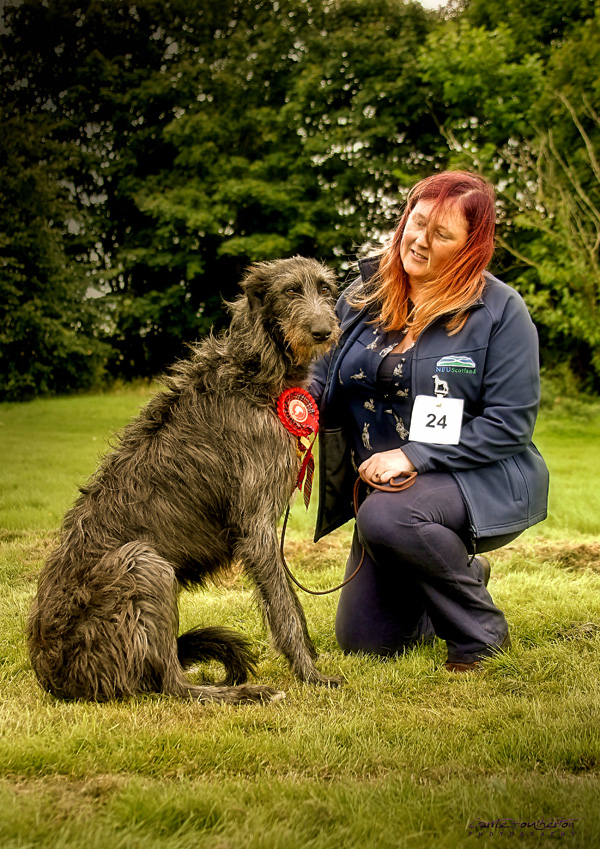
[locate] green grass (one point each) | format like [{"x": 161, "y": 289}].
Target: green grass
[
  {"x": 403, "y": 755},
  {"x": 50, "y": 446}
]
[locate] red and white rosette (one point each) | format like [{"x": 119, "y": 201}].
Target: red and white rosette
[
  {"x": 299, "y": 414},
  {"x": 298, "y": 411}
]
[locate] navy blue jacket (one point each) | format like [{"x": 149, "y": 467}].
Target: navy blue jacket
[{"x": 502, "y": 477}]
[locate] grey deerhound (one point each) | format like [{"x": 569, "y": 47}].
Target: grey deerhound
[{"x": 199, "y": 480}]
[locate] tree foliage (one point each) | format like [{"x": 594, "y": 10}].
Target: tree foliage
[
  {"x": 529, "y": 122},
  {"x": 48, "y": 340},
  {"x": 152, "y": 150}
]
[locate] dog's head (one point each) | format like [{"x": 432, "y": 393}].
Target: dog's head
[{"x": 295, "y": 299}]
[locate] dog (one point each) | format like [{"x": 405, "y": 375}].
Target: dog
[{"x": 196, "y": 482}]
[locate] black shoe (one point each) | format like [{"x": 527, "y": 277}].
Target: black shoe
[
  {"x": 486, "y": 569},
  {"x": 457, "y": 666},
  {"x": 475, "y": 665}
]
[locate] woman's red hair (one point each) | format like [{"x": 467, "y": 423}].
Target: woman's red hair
[{"x": 461, "y": 281}]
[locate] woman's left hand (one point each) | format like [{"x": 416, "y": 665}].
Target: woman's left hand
[{"x": 382, "y": 467}]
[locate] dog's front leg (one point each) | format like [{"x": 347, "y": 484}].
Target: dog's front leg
[{"x": 282, "y": 609}]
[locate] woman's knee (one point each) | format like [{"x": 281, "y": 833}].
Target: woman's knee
[
  {"x": 377, "y": 521},
  {"x": 364, "y": 640},
  {"x": 347, "y": 640}
]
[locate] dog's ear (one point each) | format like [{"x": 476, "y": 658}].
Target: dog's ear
[{"x": 255, "y": 283}]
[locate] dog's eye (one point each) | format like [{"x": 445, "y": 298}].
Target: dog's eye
[
  {"x": 292, "y": 292},
  {"x": 325, "y": 290}
]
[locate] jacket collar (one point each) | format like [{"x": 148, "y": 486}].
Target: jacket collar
[{"x": 367, "y": 267}]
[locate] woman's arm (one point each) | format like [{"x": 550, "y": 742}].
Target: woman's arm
[
  {"x": 318, "y": 377},
  {"x": 320, "y": 369}
]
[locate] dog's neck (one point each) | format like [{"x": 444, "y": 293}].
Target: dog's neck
[
  {"x": 270, "y": 366},
  {"x": 261, "y": 356}
]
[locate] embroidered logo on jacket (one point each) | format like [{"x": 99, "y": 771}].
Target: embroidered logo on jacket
[{"x": 456, "y": 365}]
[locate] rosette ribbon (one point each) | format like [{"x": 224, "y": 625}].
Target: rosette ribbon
[{"x": 298, "y": 412}]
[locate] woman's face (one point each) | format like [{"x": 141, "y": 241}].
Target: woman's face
[{"x": 428, "y": 244}]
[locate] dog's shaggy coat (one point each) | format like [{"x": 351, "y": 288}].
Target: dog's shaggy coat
[{"x": 196, "y": 482}]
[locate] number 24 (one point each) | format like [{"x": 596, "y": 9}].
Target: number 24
[{"x": 432, "y": 421}]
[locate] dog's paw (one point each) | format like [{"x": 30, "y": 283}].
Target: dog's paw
[
  {"x": 278, "y": 696},
  {"x": 258, "y": 693},
  {"x": 333, "y": 681},
  {"x": 324, "y": 680}
]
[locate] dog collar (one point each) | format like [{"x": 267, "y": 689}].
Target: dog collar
[{"x": 298, "y": 412}]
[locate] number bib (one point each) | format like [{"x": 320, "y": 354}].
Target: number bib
[{"x": 436, "y": 419}]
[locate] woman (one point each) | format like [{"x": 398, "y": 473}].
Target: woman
[{"x": 426, "y": 319}]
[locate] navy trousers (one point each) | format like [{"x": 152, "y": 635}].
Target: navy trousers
[{"x": 417, "y": 580}]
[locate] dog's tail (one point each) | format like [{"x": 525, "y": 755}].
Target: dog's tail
[{"x": 227, "y": 647}]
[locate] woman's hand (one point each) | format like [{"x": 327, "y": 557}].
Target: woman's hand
[{"x": 382, "y": 467}]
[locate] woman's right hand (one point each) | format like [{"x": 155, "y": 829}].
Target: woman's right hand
[{"x": 382, "y": 467}]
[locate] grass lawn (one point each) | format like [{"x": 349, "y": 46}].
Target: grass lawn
[{"x": 403, "y": 755}]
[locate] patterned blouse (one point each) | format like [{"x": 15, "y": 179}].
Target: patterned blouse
[{"x": 376, "y": 387}]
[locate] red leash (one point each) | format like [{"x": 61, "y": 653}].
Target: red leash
[{"x": 299, "y": 414}]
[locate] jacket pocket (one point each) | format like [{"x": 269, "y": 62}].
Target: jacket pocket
[
  {"x": 515, "y": 477},
  {"x": 536, "y": 479},
  {"x": 506, "y": 496}
]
